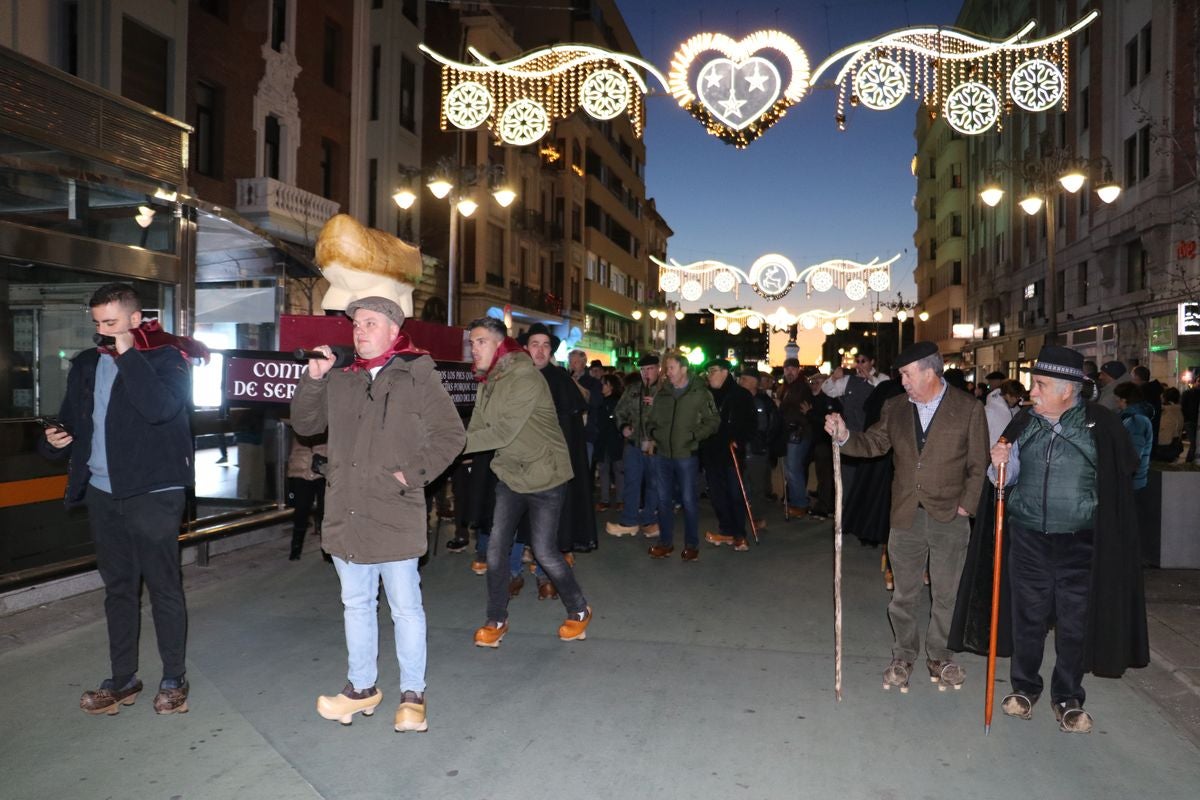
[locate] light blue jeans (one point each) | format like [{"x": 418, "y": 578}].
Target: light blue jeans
[{"x": 360, "y": 597}]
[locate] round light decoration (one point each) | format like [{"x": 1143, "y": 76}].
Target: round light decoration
[
  {"x": 524, "y": 122},
  {"x": 856, "y": 289},
  {"x": 754, "y": 322},
  {"x": 821, "y": 281},
  {"x": 735, "y": 328},
  {"x": 808, "y": 322},
  {"x": 692, "y": 290},
  {"x": 842, "y": 324},
  {"x": 828, "y": 328},
  {"x": 468, "y": 105},
  {"x": 972, "y": 108},
  {"x": 668, "y": 282},
  {"x": 720, "y": 323},
  {"x": 881, "y": 84},
  {"x": 725, "y": 281},
  {"x": 604, "y": 94},
  {"x": 879, "y": 281},
  {"x": 1036, "y": 85}
]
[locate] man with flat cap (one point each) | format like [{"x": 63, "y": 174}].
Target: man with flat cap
[
  {"x": 639, "y": 498},
  {"x": 737, "y": 414},
  {"x": 1111, "y": 375},
  {"x": 1071, "y": 554},
  {"x": 392, "y": 429},
  {"x": 938, "y": 438}
]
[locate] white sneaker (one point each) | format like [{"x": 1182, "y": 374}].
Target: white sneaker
[{"x": 617, "y": 529}]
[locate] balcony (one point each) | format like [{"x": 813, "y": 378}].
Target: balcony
[
  {"x": 535, "y": 299},
  {"x": 286, "y": 211},
  {"x": 536, "y": 223}
]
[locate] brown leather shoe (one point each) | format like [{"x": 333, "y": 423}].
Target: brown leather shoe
[
  {"x": 546, "y": 591},
  {"x": 172, "y": 697},
  {"x": 650, "y": 531},
  {"x": 740, "y": 545},
  {"x": 108, "y": 699},
  {"x": 574, "y": 628},
  {"x": 660, "y": 550},
  {"x": 491, "y": 634},
  {"x": 348, "y": 702},
  {"x": 410, "y": 715},
  {"x": 690, "y": 554},
  {"x": 515, "y": 585},
  {"x": 797, "y": 513}
]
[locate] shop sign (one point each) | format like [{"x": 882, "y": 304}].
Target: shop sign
[
  {"x": 994, "y": 330},
  {"x": 962, "y": 330},
  {"x": 1189, "y": 319}
]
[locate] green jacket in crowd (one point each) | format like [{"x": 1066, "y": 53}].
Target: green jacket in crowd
[
  {"x": 678, "y": 425},
  {"x": 633, "y": 410},
  {"x": 515, "y": 416}
]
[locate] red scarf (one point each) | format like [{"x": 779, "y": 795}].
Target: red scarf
[
  {"x": 508, "y": 345},
  {"x": 402, "y": 344},
  {"x": 150, "y": 336}
]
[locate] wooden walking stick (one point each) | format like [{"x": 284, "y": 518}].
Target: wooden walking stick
[
  {"x": 837, "y": 570},
  {"x": 990, "y": 695},
  {"x": 742, "y": 485}
]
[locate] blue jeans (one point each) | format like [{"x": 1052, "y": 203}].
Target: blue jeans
[
  {"x": 543, "y": 508},
  {"x": 678, "y": 477},
  {"x": 360, "y": 596},
  {"x": 514, "y": 558},
  {"x": 639, "y": 467},
  {"x": 796, "y": 472}
]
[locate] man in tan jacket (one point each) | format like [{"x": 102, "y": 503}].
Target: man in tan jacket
[
  {"x": 938, "y": 438},
  {"x": 392, "y": 429}
]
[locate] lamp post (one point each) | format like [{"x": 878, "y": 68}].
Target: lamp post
[
  {"x": 1040, "y": 176},
  {"x": 456, "y": 182},
  {"x": 902, "y": 309}
]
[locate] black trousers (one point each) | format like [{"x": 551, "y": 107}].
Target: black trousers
[
  {"x": 1050, "y": 575},
  {"x": 822, "y": 457},
  {"x": 302, "y": 495},
  {"x": 137, "y": 539},
  {"x": 726, "y": 497}
]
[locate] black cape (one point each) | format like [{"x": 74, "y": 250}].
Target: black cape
[
  {"x": 1117, "y": 637},
  {"x": 577, "y": 522},
  {"x": 867, "y": 510}
]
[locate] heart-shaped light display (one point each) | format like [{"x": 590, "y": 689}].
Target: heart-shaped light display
[{"x": 738, "y": 91}]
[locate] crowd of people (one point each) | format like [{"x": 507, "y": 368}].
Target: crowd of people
[{"x": 547, "y": 448}]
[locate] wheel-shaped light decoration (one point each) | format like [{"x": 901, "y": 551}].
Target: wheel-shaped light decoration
[
  {"x": 881, "y": 84},
  {"x": 879, "y": 281},
  {"x": 808, "y": 322},
  {"x": 842, "y": 323},
  {"x": 725, "y": 281},
  {"x": 669, "y": 282},
  {"x": 856, "y": 289},
  {"x": 821, "y": 280},
  {"x": 604, "y": 94},
  {"x": 468, "y": 105},
  {"x": 524, "y": 122},
  {"x": 692, "y": 290},
  {"x": 1036, "y": 85},
  {"x": 972, "y": 108}
]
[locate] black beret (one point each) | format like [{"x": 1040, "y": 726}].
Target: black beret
[
  {"x": 791, "y": 362},
  {"x": 648, "y": 360},
  {"x": 915, "y": 352}
]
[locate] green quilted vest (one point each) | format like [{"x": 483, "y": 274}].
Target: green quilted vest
[{"x": 1056, "y": 488}]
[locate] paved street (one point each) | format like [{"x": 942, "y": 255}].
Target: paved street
[{"x": 711, "y": 680}]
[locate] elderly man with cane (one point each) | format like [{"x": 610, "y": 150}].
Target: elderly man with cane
[{"x": 938, "y": 437}]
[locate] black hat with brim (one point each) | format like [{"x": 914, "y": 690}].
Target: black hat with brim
[
  {"x": 1055, "y": 361},
  {"x": 535, "y": 329}
]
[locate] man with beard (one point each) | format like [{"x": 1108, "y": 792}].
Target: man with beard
[
  {"x": 515, "y": 417},
  {"x": 735, "y": 408}
]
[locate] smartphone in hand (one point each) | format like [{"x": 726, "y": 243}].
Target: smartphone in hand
[{"x": 52, "y": 424}]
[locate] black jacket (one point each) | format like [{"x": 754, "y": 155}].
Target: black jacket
[
  {"x": 1117, "y": 635},
  {"x": 735, "y": 407},
  {"x": 147, "y": 433}
]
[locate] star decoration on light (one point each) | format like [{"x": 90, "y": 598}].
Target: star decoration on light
[
  {"x": 731, "y": 106},
  {"x": 712, "y": 79},
  {"x": 757, "y": 81}
]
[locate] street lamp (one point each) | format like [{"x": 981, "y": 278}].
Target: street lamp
[
  {"x": 456, "y": 182},
  {"x": 1040, "y": 176},
  {"x": 902, "y": 309}
]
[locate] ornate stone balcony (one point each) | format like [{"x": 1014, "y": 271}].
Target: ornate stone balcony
[{"x": 286, "y": 211}]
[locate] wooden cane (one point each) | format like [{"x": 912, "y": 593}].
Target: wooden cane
[
  {"x": 998, "y": 535},
  {"x": 742, "y": 485},
  {"x": 837, "y": 570}
]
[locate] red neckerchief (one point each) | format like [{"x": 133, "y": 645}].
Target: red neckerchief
[
  {"x": 402, "y": 344},
  {"x": 508, "y": 345},
  {"x": 150, "y": 336}
]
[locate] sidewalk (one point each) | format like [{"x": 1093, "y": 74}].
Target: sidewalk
[{"x": 705, "y": 680}]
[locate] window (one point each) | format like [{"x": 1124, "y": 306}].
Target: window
[
  {"x": 1060, "y": 290},
  {"x": 956, "y": 225},
  {"x": 272, "y": 136},
  {"x": 409, "y": 9},
  {"x": 468, "y": 247},
  {"x": 1085, "y": 107},
  {"x": 577, "y": 222},
  {"x": 956, "y": 274},
  {"x": 1136, "y": 259},
  {"x": 1082, "y": 282},
  {"x": 1144, "y": 47},
  {"x": 145, "y": 65},
  {"x": 1131, "y": 63},
  {"x": 1085, "y": 202},
  {"x": 70, "y": 41},
  {"x": 932, "y": 249},
  {"x": 329, "y": 64},
  {"x": 206, "y": 154},
  {"x": 956, "y": 316},
  {"x": 1131, "y": 151},
  {"x": 956, "y": 176},
  {"x": 495, "y": 262},
  {"x": 328, "y": 150},
  {"x": 408, "y": 92},
  {"x": 933, "y": 208},
  {"x": 278, "y": 24},
  {"x": 372, "y": 192},
  {"x": 1144, "y": 153},
  {"x": 218, "y": 8},
  {"x": 376, "y": 66}
]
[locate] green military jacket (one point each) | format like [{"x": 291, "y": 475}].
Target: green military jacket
[{"x": 678, "y": 425}]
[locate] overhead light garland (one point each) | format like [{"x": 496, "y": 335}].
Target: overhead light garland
[{"x": 772, "y": 277}]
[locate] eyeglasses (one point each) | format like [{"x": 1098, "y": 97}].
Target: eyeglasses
[{"x": 861, "y": 360}]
